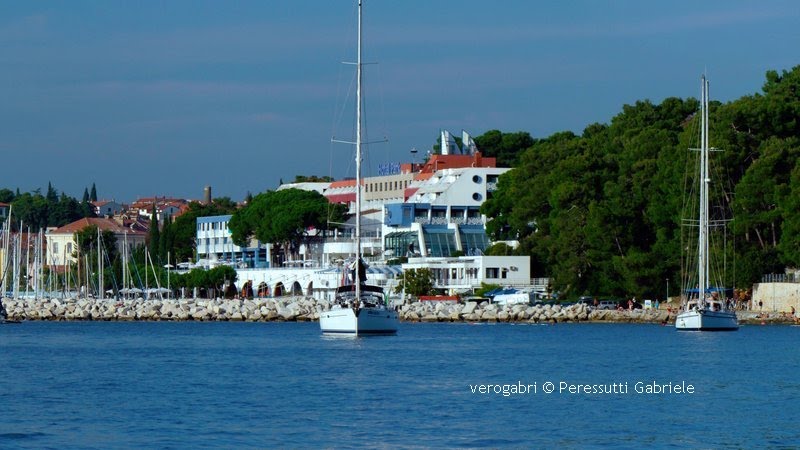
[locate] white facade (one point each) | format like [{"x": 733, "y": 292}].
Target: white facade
[
  {"x": 468, "y": 186},
  {"x": 467, "y": 273},
  {"x": 214, "y": 242},
  {"x": 104, "y": 208}
]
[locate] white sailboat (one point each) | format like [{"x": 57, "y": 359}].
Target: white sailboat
[
  {"x": 705, "y": 312},
  {"x": 358, "y": 308}
]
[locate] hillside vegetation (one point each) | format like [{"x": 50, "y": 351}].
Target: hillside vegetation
[{"x": 601, "y": 212}]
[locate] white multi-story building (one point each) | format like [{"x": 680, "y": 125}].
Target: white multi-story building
[
  {"x": 215, "y": 245},
  {"x": 427, "y": 213}
]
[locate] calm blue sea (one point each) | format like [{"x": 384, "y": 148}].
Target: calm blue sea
[{"x": 267, "y": 385}]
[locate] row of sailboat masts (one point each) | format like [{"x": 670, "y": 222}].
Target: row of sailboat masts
[
  {"x": 17, "y": 265},
  {"x": 22, "y": 273}
]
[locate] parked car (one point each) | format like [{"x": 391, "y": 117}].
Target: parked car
[{"x": 607, "y": 304}]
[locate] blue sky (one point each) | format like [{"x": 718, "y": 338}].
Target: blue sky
[{"x": 151, "y": 98}]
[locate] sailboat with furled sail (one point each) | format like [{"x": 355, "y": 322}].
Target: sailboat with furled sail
[
  {"x": 706, "y": 311},
  {"x": 358, "y": 308}
]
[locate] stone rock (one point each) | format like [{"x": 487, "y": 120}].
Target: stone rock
[{"x": 489, "y": 316}]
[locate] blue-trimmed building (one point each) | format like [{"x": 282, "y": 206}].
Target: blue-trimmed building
[
  {"x": 423, "y": 229},
  {"x": 215, "y": 245}
]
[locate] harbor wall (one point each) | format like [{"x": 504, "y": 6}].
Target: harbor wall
[
  {"x": 308, "y": 309},
  {"x": 776, "y": 297}
]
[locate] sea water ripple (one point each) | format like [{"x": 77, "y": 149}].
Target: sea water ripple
[{"x": 245, "y": 385}]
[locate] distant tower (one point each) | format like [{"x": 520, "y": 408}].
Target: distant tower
[{"x": 207, "y": 195}]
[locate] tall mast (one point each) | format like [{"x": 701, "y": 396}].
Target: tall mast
[
  {"x": 358, "y": 162},
  {"x": 702, "y": 244},
  {"x": 99, "y": 266}
]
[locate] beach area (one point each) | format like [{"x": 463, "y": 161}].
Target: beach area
[{"x": 307, "y": 309}]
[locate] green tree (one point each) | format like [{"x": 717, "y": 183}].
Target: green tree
[
  {"x": 31, "y": 209},
  {"x": 416, "y": 282},
  {"x": 6, "y": 195},
  {"x": 284, "y": 217},
  {"x": 52, "y": 194},
  {"x": 87, "y": 241},
  {"x": 65, "y": 210},
  {"x": 312, "y": 179},
  {"x": 499, "y": 249},
  {"x": 506, "y": 147},
  {"x": 93, "y": 194},
  {"x": 165, "y": 240},
  {"x": 789, "y": 244},
  {"x": 221, "y": 275}
]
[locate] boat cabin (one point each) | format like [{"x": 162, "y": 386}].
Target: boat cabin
[
  {"x": 371, "y": 296},
  {"x": 710, "y": 304}
]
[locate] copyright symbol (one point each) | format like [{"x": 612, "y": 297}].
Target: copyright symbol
[{"x": 548, "y": 387}]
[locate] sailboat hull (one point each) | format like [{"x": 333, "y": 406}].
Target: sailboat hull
[
  {"x": 368, "y": 321},
  {"x": 706, "y": 320}
]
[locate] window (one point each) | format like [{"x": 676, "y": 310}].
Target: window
[
  {"x": 492, "y": 272},
  {"x": 474, "y": 241},
  {"x": 440, "y": 243},
  {"x": 55, "y": 247}
]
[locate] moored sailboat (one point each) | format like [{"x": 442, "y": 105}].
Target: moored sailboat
[
  {"x": 706, "y": 312},
  {"x": 358, "y": 308}
]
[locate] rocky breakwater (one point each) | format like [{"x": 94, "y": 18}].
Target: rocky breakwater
[
  {"x": 267, "y": 309},
  {"x": 302, "y": 309},
  {"x": 488, "y": 312}
]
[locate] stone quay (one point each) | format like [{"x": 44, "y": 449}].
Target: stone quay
[{"x": 304, "y": 309}]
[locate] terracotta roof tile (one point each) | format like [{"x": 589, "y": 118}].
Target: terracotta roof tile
[{"x": 102, "y": 224}]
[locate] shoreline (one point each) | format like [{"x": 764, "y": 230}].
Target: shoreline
[{"x": 307, "y": 309}]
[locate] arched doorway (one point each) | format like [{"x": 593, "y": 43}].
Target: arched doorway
[
  {"x": 297, "y": 289},
  {"x": 263, "y": 289}
]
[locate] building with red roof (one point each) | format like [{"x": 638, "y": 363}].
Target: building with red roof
[{"x": 62, "y": 245}]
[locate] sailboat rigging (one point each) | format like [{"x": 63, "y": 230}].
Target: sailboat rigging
[
  {"x": 706, "y": 312},
  {"x": 358, "y": 308}
]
